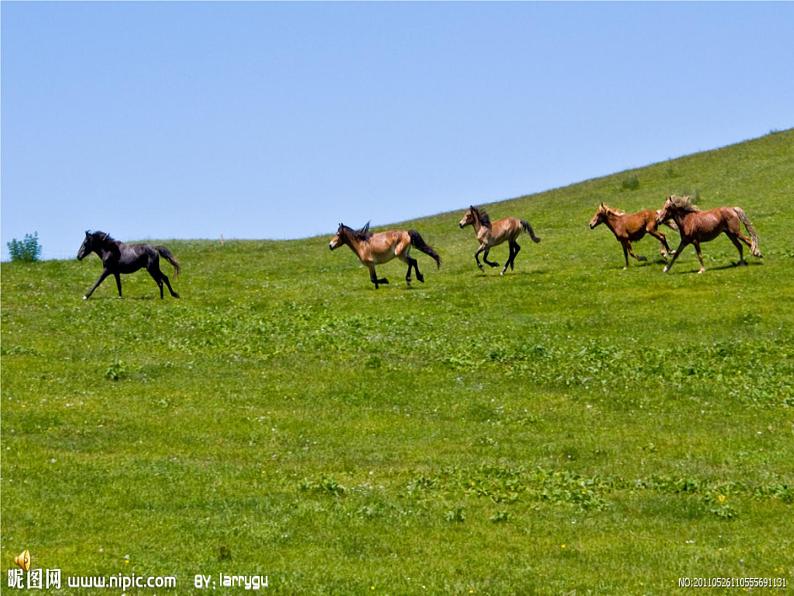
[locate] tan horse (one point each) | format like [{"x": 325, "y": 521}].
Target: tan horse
[
  {"x": 375, "y": 249},
  {"x": 628, "y": 227},
  {"x": 493, "y": 234},
  {"x": 696, "y": 226}
]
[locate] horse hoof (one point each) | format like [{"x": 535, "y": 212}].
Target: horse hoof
[
  {"x": 85, "y": 297},
  {"x": 701, "y": 271},
  {"x": 421, "y": 278},
  {"x": 666, "y": 269},
  {"x": 641, "y": 258}
]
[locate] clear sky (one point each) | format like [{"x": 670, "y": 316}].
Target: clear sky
[{"x": 278, "y": 120}]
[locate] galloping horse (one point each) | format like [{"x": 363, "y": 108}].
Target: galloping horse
[
  {"x": 698, "y": 226},
  {"x": 630, "y": 226},
  {"x": 375, "y": 249},
  {"x": 493, "y": 234},
  {"x": 118, "y": 257}
]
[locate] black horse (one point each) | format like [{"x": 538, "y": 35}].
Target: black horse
[{"x": 118, "y": 258}]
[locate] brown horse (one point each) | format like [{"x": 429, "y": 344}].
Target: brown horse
[
  {"x": 628, "y": 227},
  {"x": 493, "y": 234},
  {"x": 375, "y": 249},
  {"x": 696, "y": 226}
]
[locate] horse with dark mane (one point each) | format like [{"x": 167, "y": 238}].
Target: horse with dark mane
[
  {"x": 118, "y": 257},
  {"x": 628, "y": 227},
  {"x": 696, "y": 226},
  {"x": 490, "y": 234},
  {"x": 374, "y": 249}
]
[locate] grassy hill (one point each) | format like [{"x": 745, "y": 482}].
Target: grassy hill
[{"x": 569, "y": 426}]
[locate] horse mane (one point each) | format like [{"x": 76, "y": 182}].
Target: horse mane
[
  {"x": 362, "y": 233},
  {"x": 684, "y": 203},
  {"x": 103, "y": 237},
  {"x": 482, "y": 214},
  {"x": 612, "y": 210},
  {"x": 107, "y": 241}
]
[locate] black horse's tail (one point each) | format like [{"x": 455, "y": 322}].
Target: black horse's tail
[
  {"x": 528, "y": 229},
  {"x": 169, "y": 256},
  {"x": 420, "y": 244}
]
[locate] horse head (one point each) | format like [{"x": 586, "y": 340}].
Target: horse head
[
  {"x": 675, "y": 205},
  {"x": 338, "y": 239},
  {"x": 468, "y": 218},
  {"x": 474, "y": 216},
  {"x": 672, "y": 205},
  {"x": 93, "y": 241},
  {"x": 599, "y": 216},
  {"x": 87, "y": 246}
]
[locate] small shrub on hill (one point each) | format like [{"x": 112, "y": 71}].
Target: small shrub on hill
[
  {"x": 630, "y": 183},
  {"x": 27, "y": 250}
]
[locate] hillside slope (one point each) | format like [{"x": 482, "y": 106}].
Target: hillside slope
[{"x": 569, "y": 426}]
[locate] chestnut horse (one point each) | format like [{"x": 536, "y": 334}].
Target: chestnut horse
[
  {"x": 493, "y": 234},
  {"x": 696, "y": 226},
  {"x": 375, "y": 249},
  {"x": 630, "y": 226}
]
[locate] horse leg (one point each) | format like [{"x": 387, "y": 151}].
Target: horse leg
[
  {"x": 477, "y": 256},
  {"x": 415, "y": 263},
  {"x": 102, "y": 276},
  {"x": 631, "y": 252},
  {"x": 624, "y": 244},
  {"x": 118, "y": 282},
  {"x": 516, "y": 250},
  {"x": 373, "y": 276},
  {"x": 664, "y": 249},
  {"x": 739, "y": 247},
  {"x": 485, "y": 258},
  {"x": 168, "y": 284},
  {"x": 406, "y": 259},
  {"x": 744, "y": 239},
  {"x": 512, "y": 255},
  {"x": 700, "y": 256},
  {"x": 412, "y": 264},
  {"x": 676, "y": 254},
  {"x": 154, "y": 271}
]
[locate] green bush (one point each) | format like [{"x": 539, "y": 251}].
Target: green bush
[
  {"x": 631, "y": 182},
  {"x": 27, "y": 250}
]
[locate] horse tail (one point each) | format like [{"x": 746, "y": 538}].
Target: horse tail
[
  {"x": 169, "y": 256},
  {"x": 420, "y": 244},
  {"x": 750, "y": 230},
  {"x": 528, "y": 229}
]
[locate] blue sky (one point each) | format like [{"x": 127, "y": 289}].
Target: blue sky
[{"x": 278, "y": 120}]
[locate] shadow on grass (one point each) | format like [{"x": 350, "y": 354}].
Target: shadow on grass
[
  {"x": 123, "y": 299},
  {"x": 725, "y": 267},
  {"x": 517, "y": 273}
]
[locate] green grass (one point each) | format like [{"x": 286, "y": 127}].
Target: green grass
[{"x": 570, "y": 426}]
